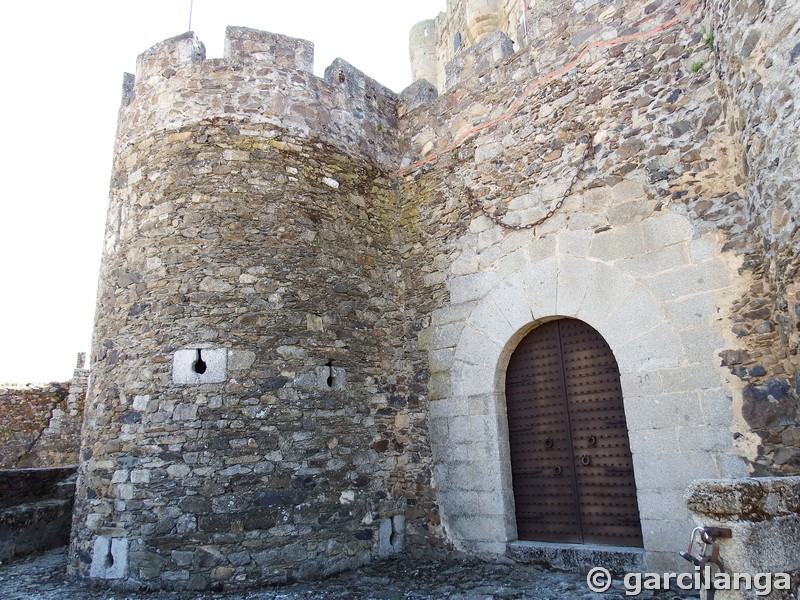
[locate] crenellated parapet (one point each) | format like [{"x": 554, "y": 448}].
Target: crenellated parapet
[
  {"x": 251, "y": 46},
  {"x": 262, "y": 78},
  {"x": 550, "y": 32},
  {"x": 465, "y": 24}
]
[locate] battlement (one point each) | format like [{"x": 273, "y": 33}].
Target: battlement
[
  {"x": 266, "y": 77},
  {"x": 262, "y": 78},
  {"x": 549, "y": 31},
  {"x": 244, "y": 45},
  {"x": 167, "y": 55}
]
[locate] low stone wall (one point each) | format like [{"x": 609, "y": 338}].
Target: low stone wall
[
  {"x": 764, "y": 517},
  {"x": 24, "y": 414},
  {"x": 40, "y": 425},
  {"x": 35, "y": 509}
]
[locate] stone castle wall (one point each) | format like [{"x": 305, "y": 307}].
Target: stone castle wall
[
  {"x": 307, "y": 301},
  {"x": 621, "y": 254},
  {"x": 727, "y": 162},
  {"x": 24, "y": 415},
  {"x": 40, "y": 425},
  {"x": 757, "y": 53},
  {"x": 669, "y": 159},
  {"x": 35, "y": 509},
  {"x": 553, "y": 28}
]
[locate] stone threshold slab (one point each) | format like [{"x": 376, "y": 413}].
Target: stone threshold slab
[{"x": 577, "y": 557}]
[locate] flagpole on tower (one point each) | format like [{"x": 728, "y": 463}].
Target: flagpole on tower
[{"x": 191, "y": 8}]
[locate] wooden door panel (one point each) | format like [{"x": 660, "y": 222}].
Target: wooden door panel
[{"x": 570, "y": 455}]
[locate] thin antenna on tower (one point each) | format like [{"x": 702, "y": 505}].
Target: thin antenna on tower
[{"x": 191, "y": 8}]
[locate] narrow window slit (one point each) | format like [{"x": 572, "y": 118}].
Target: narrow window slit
[
  {"x": 330, "y": 379},
  {"x": 393, "y": 535},
  {"x": 109, "y": 561},
  {"x": 199, "y": 366}
]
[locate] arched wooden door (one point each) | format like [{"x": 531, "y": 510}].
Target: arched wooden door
[{"x": 570, "y": 455}]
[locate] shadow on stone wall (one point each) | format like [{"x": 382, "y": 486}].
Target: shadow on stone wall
[{"x": 35, "y": 510}]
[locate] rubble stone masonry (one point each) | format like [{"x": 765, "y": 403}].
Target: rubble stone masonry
[{"x": 40, "y": 425}]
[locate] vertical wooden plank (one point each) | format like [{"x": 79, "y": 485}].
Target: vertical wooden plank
[{"x": 570, "y": 455}]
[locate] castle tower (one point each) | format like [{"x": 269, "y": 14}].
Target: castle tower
[
  {"x": 422, "y": 52},
  {"x": 436, "y": 43},
  {"x": 483, "y": 17},
  {"x": 238, "y": 421}
]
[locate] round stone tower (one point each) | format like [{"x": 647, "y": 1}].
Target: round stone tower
[
  {"x": 483, "y": 18},
  {"x": 239, "y": 413},
  {"x": 422, "y": 52}
]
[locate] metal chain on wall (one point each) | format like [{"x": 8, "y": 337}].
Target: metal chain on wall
[{"x": 497, "y": 219}]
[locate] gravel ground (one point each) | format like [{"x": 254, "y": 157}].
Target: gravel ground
[{"x": 43, "y": 578}]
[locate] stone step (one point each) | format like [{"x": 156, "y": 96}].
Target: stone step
[
  {"x": 34, "y": 527},
  {"x": 577, "y": 557},
  {"x": 65, "y": 489}
]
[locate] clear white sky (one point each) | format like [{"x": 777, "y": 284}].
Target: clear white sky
[{"x": 62, "y": 63}]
